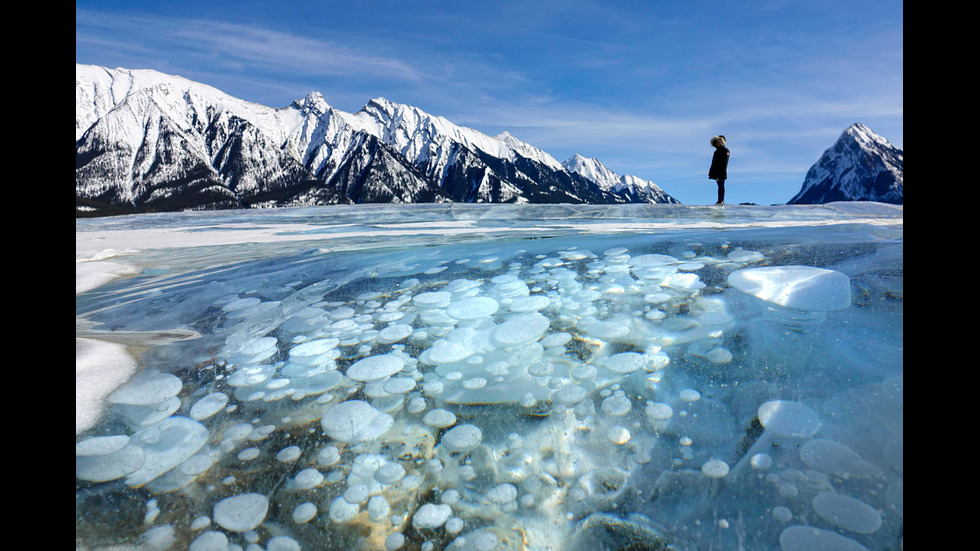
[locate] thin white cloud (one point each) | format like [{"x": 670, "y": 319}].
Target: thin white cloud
[{"x": 244, "y": 46}]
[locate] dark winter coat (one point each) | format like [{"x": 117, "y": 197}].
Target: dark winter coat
[{"x": 719, "y": 163}]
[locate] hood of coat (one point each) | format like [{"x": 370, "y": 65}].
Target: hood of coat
[{"x": 718, "y": 141}]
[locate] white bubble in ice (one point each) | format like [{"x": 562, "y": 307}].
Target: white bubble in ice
[
  {"x": 586, "y": 295},
  {"x": 760, "y": 461},
  {"x": 282, "y": 543},
  {"x": 657, "y": 360},
  {"x": 658, "y": 411},
  {"x": 248, "y": 454},
  {"x": 454, "y": 525},
  {"x": 719, "y": 356},
  {"x": 541, "y": 369},
  {"x": 477, "y": 540},
  {"x": 531, "y": 303},
  {"x": 796, "y": 287},
  {"x": 208, "y": 406},
  {"x": 342, "y": 511},
  {"x": 355, "y": 421},
  {"x": 788, "y": 419},
  {"x": 690, "y": 395},
  {"x": 101, "y": 445},
  {"x": 356, "y": 493},
  {"x": 435, "y": 299},
  {"x": 433, "y": 388},
  {"x": 289, "y": 454},
  {"x": 304, "y": 512},
  {"x": 574, "y": 255},
  {"x": 236, "y": 432},
  {"x": 328, "y": 456},
  {"x": 389, "y": 473},
  {"x": 608, "y": 330},
  {"x": 250, "y": 375},
  {"x": 809, "y": 538},
  {"x": 431, "y": 516},
  {"x": 569, "y": 395},
  {"x": 556, "y": 339},
  {"x": 473, "y": 308},
  {"x": 656, "y": 298},
  {"x": 315, "y": 351},
  {"x": 715, "y": 468},
  {"x": 394, "y": 333},
  {"x": 652, "y": 260},
  {"x": 166, "y": 445},
  {"x": 528, "y": 400},
  {"x": 378, "y": 508},
  {"x": 147, "y": 388},
  {"x": 399, "y": 385},
  {"x": 616, "y": 405},
  {"x": 837, "y": 459},
  {"x": 241, "y": 513},
  {"x": 308, "y": 478},
  {"x": 625, "y": 362},
  {"x": 847, "y": 513},
  {"x": 212, "y": 540},
  {"x": 375, "y": 368},
  {"x": 521, "y": 329},
  {"x": 104, "y": 458},
  {"x": 685, "y": 282},
  {"x": 461, "y": 286},
  {"x": 445, "y": 351},
  {"x": 509, "y": 286},
  {"x": 741, "y": 255},
  {"x": 618, "y": 435},
  {"x": 502, "y": 494},
  {"x": 462, "y": 438},
  {"x": 394, "y": 541},
  {"x": 782, "y": 514},
  {"x": 439, "y": 418},
  {"x": 342, "y": 313},
  {"x": 201, "y": 522}
]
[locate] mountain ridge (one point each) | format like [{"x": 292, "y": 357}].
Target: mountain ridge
[{"x": 146, "y": 141}]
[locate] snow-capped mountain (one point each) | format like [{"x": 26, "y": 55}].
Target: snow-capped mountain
[
  {"x": 146, "y": 141},
  {"x": 640, "y": 190},
  {"x": 861, "y": 166}
]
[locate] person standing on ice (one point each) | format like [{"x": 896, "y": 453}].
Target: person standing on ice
[{"x": 719, "y": 166}]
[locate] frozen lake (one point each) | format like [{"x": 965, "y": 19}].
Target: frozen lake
[{"x": 542, "y": 377}]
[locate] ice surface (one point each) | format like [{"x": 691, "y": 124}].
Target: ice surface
[{"x": 511, "y": 376}]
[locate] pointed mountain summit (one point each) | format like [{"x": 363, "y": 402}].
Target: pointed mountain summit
[
  {"x": 146, "y": 141},
  {"x": 861, "y": 166}
]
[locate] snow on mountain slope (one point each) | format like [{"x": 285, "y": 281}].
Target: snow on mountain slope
[
  {"x": 527, "y": 150},
  {"x": 640, "y": 190},
  {"x": 595, "y": 171}
]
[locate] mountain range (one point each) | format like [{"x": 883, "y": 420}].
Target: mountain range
[
  {"x": 150, "y": 142},
  {"x": 860, "y": 166}
]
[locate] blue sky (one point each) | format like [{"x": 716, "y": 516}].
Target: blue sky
[{"x": 642, "y": 86}]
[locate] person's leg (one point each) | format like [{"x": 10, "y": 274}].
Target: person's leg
[{"x": 721, "y": 191}]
